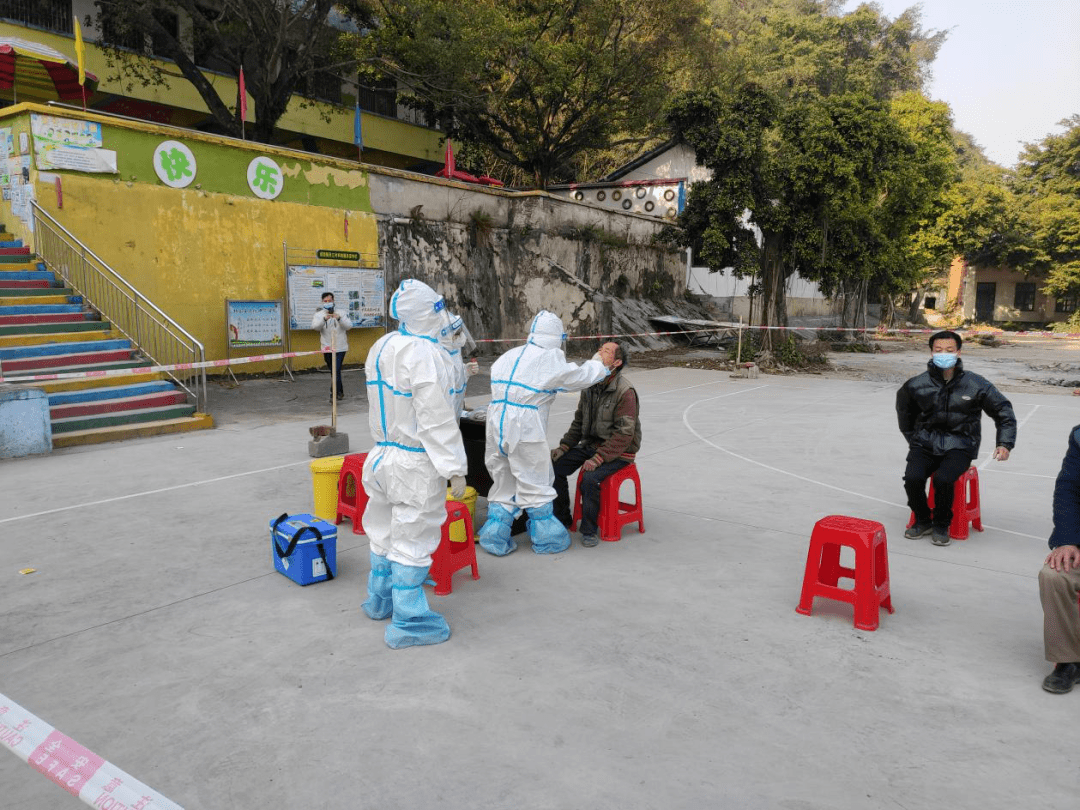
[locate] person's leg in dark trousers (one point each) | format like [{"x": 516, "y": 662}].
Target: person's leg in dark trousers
[
  {"x": 335, "y": 379},
  {"x": 567, "y": 465},
  {"x": 921, "y": 464},
  {"x": 590, "y": 493},
  {"x": 952, "y": 466}
]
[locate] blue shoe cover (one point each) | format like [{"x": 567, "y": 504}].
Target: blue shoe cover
[
  {"x": 494, "y": 536},
  {"x": 547, "y": 533},
  {"x": 414, "y": 623},
  {"x": 379, "y": 604}
]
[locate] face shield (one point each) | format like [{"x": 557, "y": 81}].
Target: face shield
[{"x": 461, "y": 339}]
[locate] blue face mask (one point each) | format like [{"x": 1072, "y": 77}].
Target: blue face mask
[
  {"x": 944, "y": 359},
  {"x": 329, "y": 307}
]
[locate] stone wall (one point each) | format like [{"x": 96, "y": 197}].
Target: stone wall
[{"x": 499, "y": 257}]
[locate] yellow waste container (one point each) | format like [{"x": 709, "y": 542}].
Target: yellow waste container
[
  {"x": 457, "y": 529},
  {"x": 324, "y": 485}
]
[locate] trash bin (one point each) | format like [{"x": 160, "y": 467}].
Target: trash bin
[
  {"x": 324, "y": 485},
  {"x": 457, "y": 529},
  {"x": 473, "y": 436}
]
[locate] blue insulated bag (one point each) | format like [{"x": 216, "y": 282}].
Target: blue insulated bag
[{"x": 304, "y": 548}]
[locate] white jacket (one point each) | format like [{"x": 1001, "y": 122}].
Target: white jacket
[{"x": 328, "y": 326}]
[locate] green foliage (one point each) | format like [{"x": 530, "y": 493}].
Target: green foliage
[
  {"x": 281, "y": 46},
  {"x": 535, "y": 82}
]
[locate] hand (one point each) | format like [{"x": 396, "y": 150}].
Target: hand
[
  {"x": 592, "y": 463},
  {"x": 457, "y": 487},
  {"x": 1001, "y": 454},
  {"x": 472, "y": 368},
  {"x": 1063, "y": 558},
  {"x": 558, "y": 452}
]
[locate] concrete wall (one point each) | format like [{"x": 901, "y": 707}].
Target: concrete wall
[
  {"x": 501, "y": 256},
  {"x": 25, "y": 426}
]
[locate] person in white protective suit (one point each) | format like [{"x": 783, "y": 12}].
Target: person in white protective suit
[
  {"x": 524, "y": 381},
  {"x": 461, "y": 369},
  {"x": 418, "y": 446}
]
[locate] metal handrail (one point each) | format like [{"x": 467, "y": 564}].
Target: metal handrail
[{"x": 138, "y": 318}]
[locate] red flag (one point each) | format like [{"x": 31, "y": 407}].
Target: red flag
[
  {"x": 243, "y": 96},
  {"x": 450, "y": 164}
]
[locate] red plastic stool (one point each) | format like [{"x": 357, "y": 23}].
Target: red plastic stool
[
  {"x": 351, "y": 498},
  {"x": 871, "y": 572},
  {"x": 450, "y": 556},
  {"x": 966, "y": 509},
  {"x": 614, "y": 514}
]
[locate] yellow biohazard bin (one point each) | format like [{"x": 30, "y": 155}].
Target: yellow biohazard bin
[
  {"x": 457, "y": 530},
  {"x": 324, "y": 485}
]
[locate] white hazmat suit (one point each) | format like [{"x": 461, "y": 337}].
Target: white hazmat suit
[
  {"x": 524, "y": 382},
  {"x": 418, "y": 446}
]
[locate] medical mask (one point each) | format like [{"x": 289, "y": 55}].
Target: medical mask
[
  {"x": 328, "y": 307},
  {"x": 944, "y": 359}
]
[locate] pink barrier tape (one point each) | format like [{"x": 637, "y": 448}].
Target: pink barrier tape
[
  {"x": 735, "y": 327},
  {"x": 127, "y": 372},
  {"x": 74, "y": 768}
]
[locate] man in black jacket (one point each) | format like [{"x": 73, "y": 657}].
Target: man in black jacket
[
  {"x": 1059, "y": 580},
  {"x": 939, "y": 413}
]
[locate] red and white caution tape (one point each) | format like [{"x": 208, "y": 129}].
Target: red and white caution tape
[
  {"x": 77, "y": 770},
  {"x": 126, "y": 372}
]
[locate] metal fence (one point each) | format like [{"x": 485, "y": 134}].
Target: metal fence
[
  {"x": 158, "y": 336},
  {"x": 52, "y": 15}
]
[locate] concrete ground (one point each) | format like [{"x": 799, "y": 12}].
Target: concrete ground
[{"x": 669, "y": 670}]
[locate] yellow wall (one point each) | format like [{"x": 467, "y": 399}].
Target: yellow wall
[{"x": 381, "y": 134}]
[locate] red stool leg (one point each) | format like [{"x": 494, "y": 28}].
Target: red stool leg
[
  {"x": 974, "y": 504},
  {"x": 866, "y": 595},
  {"x": 958, "y": 529},
  {"x": 577, "y": 505},
  {"x": 881, "y": 570},
  {"x": 810, "y": 577}
]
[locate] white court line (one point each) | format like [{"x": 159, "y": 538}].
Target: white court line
[
  {"x": 1023, "y": 422},
  {"x": 153, "y": 491},
  {"x": 686, "y": 423},
  {"x": 242, "y": 474}
]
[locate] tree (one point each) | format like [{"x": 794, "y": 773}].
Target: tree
[
  {"x": 840, "y": 166},
  {"x": 1047, "y": 185},
  {"x": 280, "y": 45},
  {"x": 534, "y": 82}
]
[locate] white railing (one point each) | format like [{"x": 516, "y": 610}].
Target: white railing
[{"x": 157, "y": 335}]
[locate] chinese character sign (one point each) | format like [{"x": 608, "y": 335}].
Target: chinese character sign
[
  {"x": 265, "y": 178},
  {"x": 174, "y": 164}
]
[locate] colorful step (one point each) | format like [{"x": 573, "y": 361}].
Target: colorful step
[
  {"x": 102, "y": 407},
  {"x": 36, "y": 331},
  {"x": 113, "y": 392},
  {"x": 19, "y": 337},
  {"x": 199, "y": 421},
  {"x": 40, "y": 297},
  {"x": 24, "y": 275},
  {"x": 76, "y": 314},
  {"x": 26, "y": 352},
  {"x": 14, "y": 251},
  {"x": 25, "y": 283},
  {"x": 39, "y": 309},
  {"x": 65, "y": 363},
  {"x": 110, "y": 420},
  {"x": 18, "y": 295}
]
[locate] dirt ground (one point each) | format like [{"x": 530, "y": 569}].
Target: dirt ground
[{"x": 1017, "y": 364}]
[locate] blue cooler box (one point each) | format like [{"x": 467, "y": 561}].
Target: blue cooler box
[{"x": 304, "y": 548}]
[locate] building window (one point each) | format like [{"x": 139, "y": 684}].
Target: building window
[
  {"x": 1066, "y": 304},
  {"x": 930, "y": 302},
  {"x": 52, "y": 15},
  {"x": 378, "y": 96},
  {"x": 1025, "y": 296}
]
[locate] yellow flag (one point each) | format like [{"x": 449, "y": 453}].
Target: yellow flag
[{"x": 80, "y": 52}]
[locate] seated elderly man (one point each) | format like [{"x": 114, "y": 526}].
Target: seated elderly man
[
  {"x": 603, "y": 438},
  {"x": 1059, "y": 580}
]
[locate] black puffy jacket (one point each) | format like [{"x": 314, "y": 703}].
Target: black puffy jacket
[{"x": 939, "y": 416}]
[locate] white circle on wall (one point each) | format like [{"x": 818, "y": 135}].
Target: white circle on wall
[
  {"x": 264, "y": 178},
  {"x": 174, "y": 164}
]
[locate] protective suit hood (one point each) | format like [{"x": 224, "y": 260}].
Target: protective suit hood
[
  {"x": 547, "y": 331},
  {"x": 421, "y": 311}
]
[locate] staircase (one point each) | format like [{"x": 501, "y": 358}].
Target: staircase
[{"x": 47, "y": 328}]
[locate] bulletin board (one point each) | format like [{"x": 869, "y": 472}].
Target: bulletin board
[
  {"x": 255, "y": 323},
  {"x": 252, "y": 324},
  {"x": 355, "y": 279}
]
